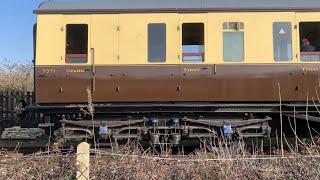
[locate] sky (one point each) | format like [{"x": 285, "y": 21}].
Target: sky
[{"x": 16, "y": 32}]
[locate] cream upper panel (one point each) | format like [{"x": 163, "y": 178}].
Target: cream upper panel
[
  {"x": 258, "y": 35},
  {"x": 105, "y": 38},
  {"x": 133, "y": 37},
  {"x": 50, "y": 48},
  {"x": 123, "y": 38},
  {"x": 51, "y": 38}
]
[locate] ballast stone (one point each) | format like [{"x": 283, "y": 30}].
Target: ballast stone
[{"x": 17, "y": 132}]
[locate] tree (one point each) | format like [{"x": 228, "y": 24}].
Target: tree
[{"x": 14, "y": 76}]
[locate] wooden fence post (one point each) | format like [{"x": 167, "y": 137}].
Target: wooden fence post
[
  {"x": 5, "y": 109},
  {"x": 9, "y": 105},
  {"x": 1, "y": 106},
  {"x": 83, "y": 163}
]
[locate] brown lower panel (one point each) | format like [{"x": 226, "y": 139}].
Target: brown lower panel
[
  {"x": 60, "y": 84},
  {"x": 136, "y": 83},
  {"x": 170, "y": 83}
]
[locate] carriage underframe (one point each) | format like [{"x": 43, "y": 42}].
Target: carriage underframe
[{"x": 170, "y": 124}]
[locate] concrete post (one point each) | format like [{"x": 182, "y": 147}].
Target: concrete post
[{"x": 83, "y": 163}]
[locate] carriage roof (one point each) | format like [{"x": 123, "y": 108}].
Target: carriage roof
[{"x": 118, "y": 6}]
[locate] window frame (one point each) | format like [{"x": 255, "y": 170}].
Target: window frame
[
  {"x": 203, "y": 54},
  {"x": 240, "y": 29},
  {"x": 299, "y": 44},
  {"x": 273, "y": 43},
  {"x": 165, "y": 44},
  {"x": 77, "y": 55}
]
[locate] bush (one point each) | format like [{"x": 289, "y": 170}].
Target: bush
[
  {"x": 132, "y": 163},
  {"x": 15, "y": 77}
]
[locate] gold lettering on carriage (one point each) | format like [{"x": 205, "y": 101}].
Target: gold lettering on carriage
[
  {"x": 75, "y": 70},
  {"x": 191, "y": 70},
  {"x": 48, "y": 71},
  {"x": 310, "y": 69}
]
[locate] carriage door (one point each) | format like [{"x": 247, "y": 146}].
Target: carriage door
[
  {"x": 308, "y": 25},
  {"x": 78, "y": 69},
  {"x": 104, "y": 43},
  {"x": 194, "y": 68}
]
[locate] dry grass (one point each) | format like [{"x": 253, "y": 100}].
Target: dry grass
[
  {"x": 154, "y": 168},
  {"x": 219, "y": 163},
  {"x": 16, "y": 77}
]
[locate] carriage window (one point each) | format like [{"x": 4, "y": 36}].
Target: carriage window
[
  {"x": 233, "y": 25},
  {"x": 157, "y": 42},
  {"x": 233, "y": 42},
  {"x": 77, "y": 43},
  {"x": 310, "y": 41},
  {"x": 282, "y": 41},
  {"x": 193, "y": 42}
]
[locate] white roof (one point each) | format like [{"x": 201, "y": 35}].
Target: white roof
[{"x": 112, "y": 6}]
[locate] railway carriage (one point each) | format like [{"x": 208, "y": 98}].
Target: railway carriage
[{"x": 181, "y": 69}]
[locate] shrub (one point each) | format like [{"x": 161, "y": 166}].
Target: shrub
[{"x": 15, "y": 77}]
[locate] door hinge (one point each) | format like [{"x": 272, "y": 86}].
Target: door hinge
[
  {"x": 118, "y": 57},
  {"x": 118, "y": 28}
]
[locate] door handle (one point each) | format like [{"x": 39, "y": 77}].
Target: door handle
[
  {"x": 92, "y": 61},
  {"x": 93, "y": 71},
  {"x": 179, "y": 88}
]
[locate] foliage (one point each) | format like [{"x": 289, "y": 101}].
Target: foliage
[{"x": 15, "y": 76}]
